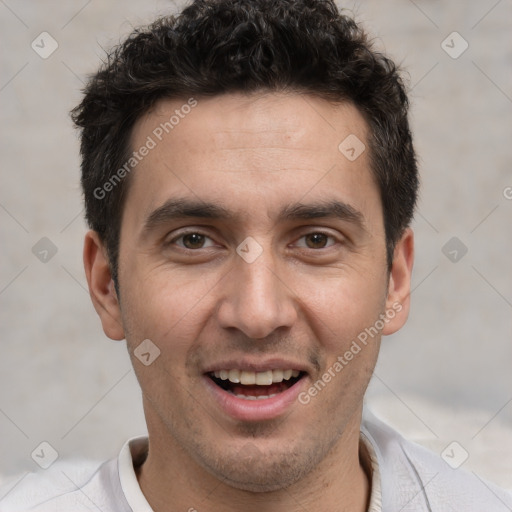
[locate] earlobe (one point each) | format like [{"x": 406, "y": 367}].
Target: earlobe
[
  {"x": 399, "y": 288},
  {"x": 101, "y": 286}
]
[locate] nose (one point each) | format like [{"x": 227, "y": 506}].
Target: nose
[{"x": 256, "y": 299}]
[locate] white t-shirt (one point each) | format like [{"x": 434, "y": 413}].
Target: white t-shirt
[{"x": 405, "y": 477}]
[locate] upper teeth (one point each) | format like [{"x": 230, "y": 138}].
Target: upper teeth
[{"x": 260, "y": 378}]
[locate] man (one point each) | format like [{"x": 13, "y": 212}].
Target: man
[{"x": 249, "y": 180}]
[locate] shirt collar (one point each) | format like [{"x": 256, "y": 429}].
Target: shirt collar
[
  {"x": 370, "y": 460},
  {"x": 132, "y": 455}
]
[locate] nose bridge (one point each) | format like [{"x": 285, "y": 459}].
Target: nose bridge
[
  {"x": 259, "y": 282},
  {"x": 256, "y": 301}
]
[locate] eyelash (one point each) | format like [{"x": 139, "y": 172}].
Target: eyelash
[{"x": 195, "y": 232}]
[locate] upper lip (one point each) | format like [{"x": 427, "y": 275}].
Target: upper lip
[{"x": 252, "y": 365}]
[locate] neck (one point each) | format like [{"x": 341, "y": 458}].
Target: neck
[{"x": 340, "y": 482}]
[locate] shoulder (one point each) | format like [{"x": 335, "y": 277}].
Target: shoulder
[
  {"x": 416, "y": 479},
  {"x": 78, "y": 486}
]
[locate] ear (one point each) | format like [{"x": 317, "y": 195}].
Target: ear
[
  {"x": 399, "y": 288},
  {"x": 101, "y": 286}
]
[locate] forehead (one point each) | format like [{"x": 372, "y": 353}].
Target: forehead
[
  {"x": 247, "y": 151},
  {"x": 257, "y": 119}
]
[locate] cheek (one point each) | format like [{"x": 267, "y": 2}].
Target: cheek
[
  {"x": 164, "y": 304},
  {"x": 340, "y": 308}
]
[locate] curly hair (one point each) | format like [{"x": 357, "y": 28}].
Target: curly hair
[{"x": 219, "y": 46}]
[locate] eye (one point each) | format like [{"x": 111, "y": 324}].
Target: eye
[
  {"x": 192, "y": 240},
  {"x": 317, "y": 240}
]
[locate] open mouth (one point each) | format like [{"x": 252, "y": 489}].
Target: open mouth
[{"x": 250, "y": 385}]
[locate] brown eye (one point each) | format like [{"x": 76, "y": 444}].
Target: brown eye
[
  {"x": 193, "y": 240},
  {"x": 316, "y": 240}
]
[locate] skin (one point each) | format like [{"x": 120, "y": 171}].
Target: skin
[{"x": 305, "y": 298}]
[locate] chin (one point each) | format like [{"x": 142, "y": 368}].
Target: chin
[
  {"x": 261, "y": 481},
  {"x": 263, "y": 472}
]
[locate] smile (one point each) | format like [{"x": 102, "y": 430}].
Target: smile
[
  {"x": 250, "y": 385},
  {"x": 255, "y": 395}
]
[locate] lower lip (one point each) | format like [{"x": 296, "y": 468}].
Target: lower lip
[{"x": 254, "y": 410}]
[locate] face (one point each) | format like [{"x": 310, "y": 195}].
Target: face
[{"x": 252, "y": 256}]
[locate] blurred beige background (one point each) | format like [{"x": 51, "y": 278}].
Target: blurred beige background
[{"x": 445, "y": 377}]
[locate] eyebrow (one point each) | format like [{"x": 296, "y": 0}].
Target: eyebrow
[
  {"x": 324, "y": 209},
  {"x": 174, "y": 209},
  {"x": 181, "y": 208}
]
